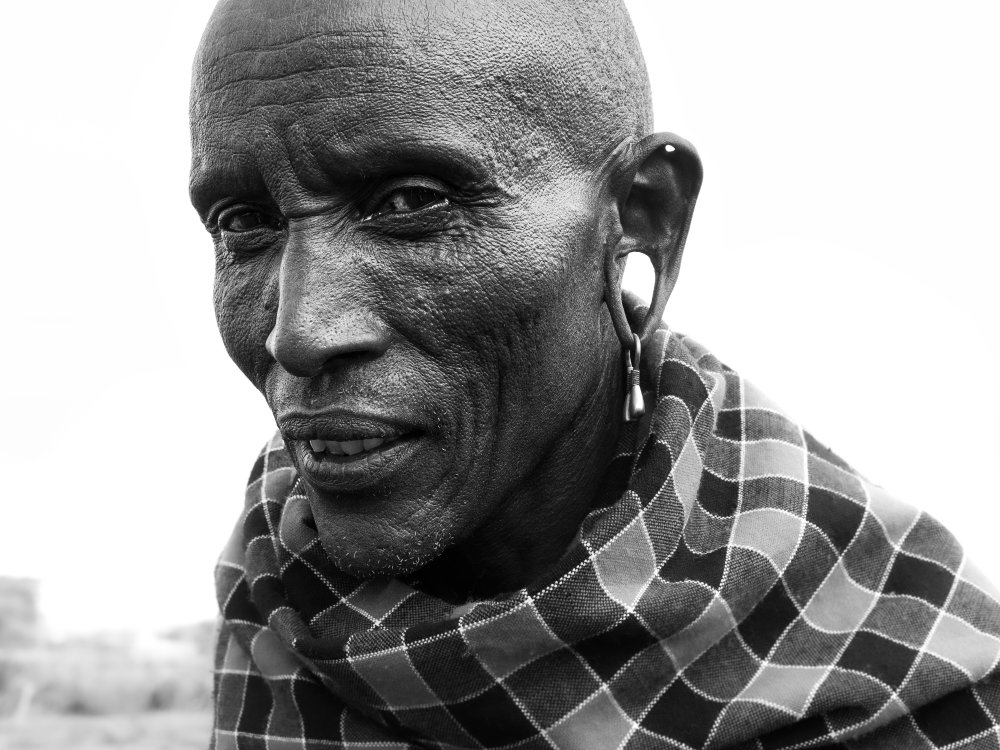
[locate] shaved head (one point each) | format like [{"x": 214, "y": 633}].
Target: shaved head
[{"x": 567, "y": 75}]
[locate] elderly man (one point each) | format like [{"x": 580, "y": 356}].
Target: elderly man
[{"x": 507, "y": 507}]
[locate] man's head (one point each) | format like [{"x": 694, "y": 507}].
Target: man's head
[{"x": 420, "y": 213}]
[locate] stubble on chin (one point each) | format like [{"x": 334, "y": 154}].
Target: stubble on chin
[{"x": 387, "y": 552}]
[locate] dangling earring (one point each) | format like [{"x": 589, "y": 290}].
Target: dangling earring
[{"x": 635, "y": 405}]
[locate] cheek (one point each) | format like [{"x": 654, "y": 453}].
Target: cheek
[
  {"x": 509, "y": 312},
  {"x": 496, "y": 281},
  {"x": 245, "y": 300},
  {"x": 551, "y": 295}
]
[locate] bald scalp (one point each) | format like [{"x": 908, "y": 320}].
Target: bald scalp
[{"x": 573, "y": 72}]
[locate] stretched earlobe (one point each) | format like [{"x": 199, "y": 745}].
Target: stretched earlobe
[{"x": 657, "y": 188}]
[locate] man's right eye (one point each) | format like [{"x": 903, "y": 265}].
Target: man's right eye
[{"x": 247, "y": 220}]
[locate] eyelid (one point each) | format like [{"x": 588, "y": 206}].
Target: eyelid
[
  {"x": 375, "y": 199},
  {"x": 213, "y": 220}
]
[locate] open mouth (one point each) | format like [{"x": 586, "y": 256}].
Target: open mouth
[
  {"x": 361, "y": 447},
  {"x": 341, "y": 451},
  {"x": 359, "y": 464}
]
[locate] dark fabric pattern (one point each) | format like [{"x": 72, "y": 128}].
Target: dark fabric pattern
[{"x": 736, "y": 585}]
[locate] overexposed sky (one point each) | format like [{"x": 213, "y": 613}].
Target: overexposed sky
[{"x": 843, "y": 257}]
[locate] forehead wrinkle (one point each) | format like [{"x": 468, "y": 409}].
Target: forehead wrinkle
[
  {"x": 322, "y": 159},
  {"x": 238, "y": 26},
  {"x": 313, "y": 69},
  {"x": 354, "y": 126},
  {"x": 249, "y": 159},
  {"x": 294, "y": 63},
  {"x": 465, "y": 46}
]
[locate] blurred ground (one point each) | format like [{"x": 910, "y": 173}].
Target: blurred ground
[{"x": 161, "y": 730}]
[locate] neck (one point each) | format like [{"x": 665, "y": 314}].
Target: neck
[{"x": 542, "y": 515}]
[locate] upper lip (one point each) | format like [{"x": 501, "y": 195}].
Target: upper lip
[{"x": 340, "y": 424}]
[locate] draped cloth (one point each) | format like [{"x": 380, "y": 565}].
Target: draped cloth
[{"x": 735, "y": 585}]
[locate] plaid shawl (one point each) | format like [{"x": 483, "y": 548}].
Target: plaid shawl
[{"x": 736, "y": 585}]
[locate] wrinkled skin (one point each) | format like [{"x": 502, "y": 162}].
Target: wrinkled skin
[{"x": 407, "y": 233}]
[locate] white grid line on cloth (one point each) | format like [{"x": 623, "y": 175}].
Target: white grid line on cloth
[{"x": 866, "y": 725}]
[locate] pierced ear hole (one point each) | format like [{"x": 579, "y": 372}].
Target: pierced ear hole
[
  {"x": 669, "y": 149},
  {"x": 639, "y": 276}
]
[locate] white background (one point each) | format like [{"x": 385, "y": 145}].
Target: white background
[{"x": 843, "y": 257}]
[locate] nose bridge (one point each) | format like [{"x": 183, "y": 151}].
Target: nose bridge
[{"x": 323, "y": 312}]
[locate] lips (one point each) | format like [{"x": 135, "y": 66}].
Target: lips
[{"x": 348, "y": 452}]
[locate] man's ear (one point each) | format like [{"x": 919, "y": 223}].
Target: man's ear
[{"x": 656, "y": 189}]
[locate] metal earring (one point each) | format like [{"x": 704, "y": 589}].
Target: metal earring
[{"x": 635, "y": 405}]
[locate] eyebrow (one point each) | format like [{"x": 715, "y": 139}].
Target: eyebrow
[
  {"x": 375, "y": 151},
  {"x": 212, "y": 179},
  {"x": 325, "y": 166}
]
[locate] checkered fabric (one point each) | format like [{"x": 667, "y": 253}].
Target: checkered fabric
[{"x": 736, "y": 585}]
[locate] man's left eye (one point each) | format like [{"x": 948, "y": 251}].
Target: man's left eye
[{"x": 407, "y": 200}]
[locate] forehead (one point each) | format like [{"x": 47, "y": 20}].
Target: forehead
[{"x": 321, "y": 80}]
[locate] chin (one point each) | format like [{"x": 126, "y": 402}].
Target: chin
[
  {"x": 383, "y": 560},
  {"x": 390, "y": 537}
]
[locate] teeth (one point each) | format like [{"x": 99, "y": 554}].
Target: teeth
[
  {"x": 345, "y": 447},
  {"x": 352, "y": 447}
]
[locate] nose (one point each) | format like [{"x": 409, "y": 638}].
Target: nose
[
  {"x": 307, "y": 350},
  {"x": 322, "y": 318}
]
